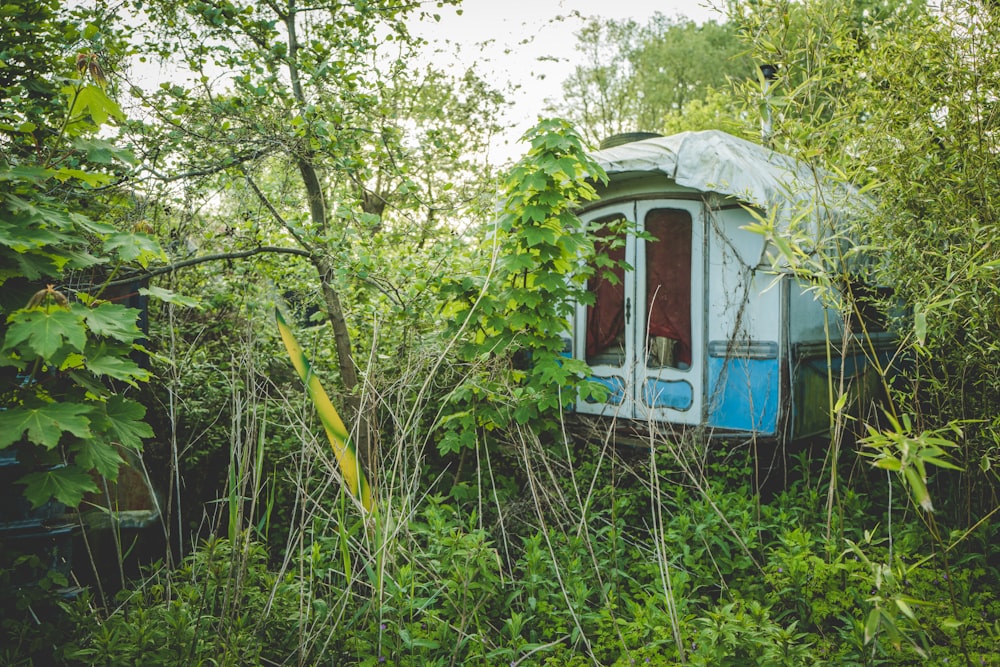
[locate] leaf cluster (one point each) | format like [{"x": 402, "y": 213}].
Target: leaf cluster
[
  {"x": 63, "y": 352},
  {"x": 521, "y": 310}
]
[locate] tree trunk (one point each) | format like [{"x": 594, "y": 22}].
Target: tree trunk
[
  {"x": 353, "y": 412},
  {"x": 354, "y": 417}
]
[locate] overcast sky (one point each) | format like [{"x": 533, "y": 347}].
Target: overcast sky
[{"x": 531, "y": 43}]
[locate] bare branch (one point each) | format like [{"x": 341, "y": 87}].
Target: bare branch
[
  {"x": 215, "y": 257},
  {"x": 277, "y": 216}
]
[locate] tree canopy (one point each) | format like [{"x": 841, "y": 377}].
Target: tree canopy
[{"x": 650, "y": 77}]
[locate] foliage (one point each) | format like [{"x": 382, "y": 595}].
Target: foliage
[
  {"x": 222, "y": 606},
  {"x": 894, "y": 96},
  {"x": 572, "y": 584},
  {"x": 898, "y": 97},
  {"x": 326, "y": 167},
  {"x": 66, "y": 349},
  {"x": 328, "y": 141},
  {"x": 522, "y": 307},
  {"x": 667, "y": 75},
  {"x": 554, "y": 548}
]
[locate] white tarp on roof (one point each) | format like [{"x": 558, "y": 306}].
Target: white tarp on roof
[{"x": 714, "y": 161}]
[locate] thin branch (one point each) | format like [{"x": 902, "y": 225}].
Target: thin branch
[
  {"x": 232, "y": 161},
  {"x": 277, "y": 216},
  {"x": 239, "y": 254}
]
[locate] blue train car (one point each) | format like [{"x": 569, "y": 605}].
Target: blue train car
[{"x": 707, "y": 328}]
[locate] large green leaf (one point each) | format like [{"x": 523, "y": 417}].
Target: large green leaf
[
  {"x": 44, "y": 422},
  {"x": 93, "y": 454},
  {"x": 67, "y": 485},
  {"x": 92, "y": 101},
  {"x": 124, "y": 423},
  {"x": 46, "y": 330},
  {"x": 114, "y": 321},
  {"x": 132, "y": 247},
  {"x": 104, "y": 359}
]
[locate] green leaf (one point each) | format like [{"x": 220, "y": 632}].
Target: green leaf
[
  {"x": 940, "y": 463},
  {"x": 168, "y": 296},
  {"x": 101, "y": 151},
  {"x": 534, "y": 236},
  {"x": 93, "y": 454},
  {"x": 46, "y": 330},
  {"x": 889, "y": 463},
  {"x": 871, "y": 626},
  {"x": 66, "y": 484},
  {"x": 122, "y": 422},
  {"x": 92, "y": 101},
  {"x": 133, "y": 247},
  {"x": 919, "y": 489},
  {"x": 114, "y": 321},
  {"x": 906, "y": 609},
  {"x": 45, "y": 423},
  {"x": 920, "y": 326},
  {"x": 92, "y": 178},
  {"x": 103, "y": 359}
]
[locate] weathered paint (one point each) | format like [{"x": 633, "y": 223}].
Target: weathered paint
[
  {"x": 743, "y": 386},
  {"x": 753, "y": 333},
  {"x": 670, "y": 394}
]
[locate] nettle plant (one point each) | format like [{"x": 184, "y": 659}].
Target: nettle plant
[
  {"x": 62, "y": 350},
  {"x": 512, "y": 320}
]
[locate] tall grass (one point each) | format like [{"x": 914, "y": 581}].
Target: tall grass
[{"x": 567, "y": 548}]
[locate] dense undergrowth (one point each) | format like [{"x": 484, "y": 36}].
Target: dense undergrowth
[{"x": 622, "y": 559}]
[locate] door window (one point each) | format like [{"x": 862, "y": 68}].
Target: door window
[
  {"x": 668, "y": 289},
  {"x": 606, "y": 317}
]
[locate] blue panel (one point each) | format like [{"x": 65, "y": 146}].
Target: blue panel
[
  {"x": 743, "y": 394},
  {"x": 616, "y": 389},
  {"x": 673, "y": 394}
]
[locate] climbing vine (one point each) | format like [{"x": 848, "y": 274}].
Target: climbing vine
[{"x": 542, "y": 257}]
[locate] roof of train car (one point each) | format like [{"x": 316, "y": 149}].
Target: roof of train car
[{"x": 714, "y": 161}]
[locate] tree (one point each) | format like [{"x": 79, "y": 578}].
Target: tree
[
  {"x": 320, "y": 132},
  {"x": 901, "y": 99},
  {"x": 647, "y": 77}
]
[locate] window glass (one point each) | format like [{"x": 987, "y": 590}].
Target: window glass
[
  {"x": 668, "y": 289},
  {"x": 606, "y": 317}
]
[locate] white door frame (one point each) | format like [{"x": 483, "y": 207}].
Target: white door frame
[
  {"x": 667, "y": 393},
  {"x": 621, "y": 401},
  {"x": 638, "y": 392}
]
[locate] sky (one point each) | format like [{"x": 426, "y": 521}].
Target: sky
[{"x": 530, "y": 43}]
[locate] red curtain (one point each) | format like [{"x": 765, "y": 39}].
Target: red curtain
[
  {"x": 668, "y": 278},
  {"x": 668, "y": 285},
  {"x": 606, "y": 318}
]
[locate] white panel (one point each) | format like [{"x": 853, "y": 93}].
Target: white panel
[
  {"x": 611, "y": 374},
  {"x": 656, "y": 386},
  {"x": 741, "y": 298}
]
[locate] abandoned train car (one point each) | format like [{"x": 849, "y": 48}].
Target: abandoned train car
[{"x": 705, "y": 329}]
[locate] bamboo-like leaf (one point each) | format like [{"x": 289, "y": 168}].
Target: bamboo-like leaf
[
  {"x": 871, "y": 626},
  {"x": 919, "y": 489},
  {"x": 906, "y": 609},
  {"x": 343, "y": 448}
]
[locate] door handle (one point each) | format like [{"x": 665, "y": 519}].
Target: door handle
[{"x": 628, "y": 310}]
